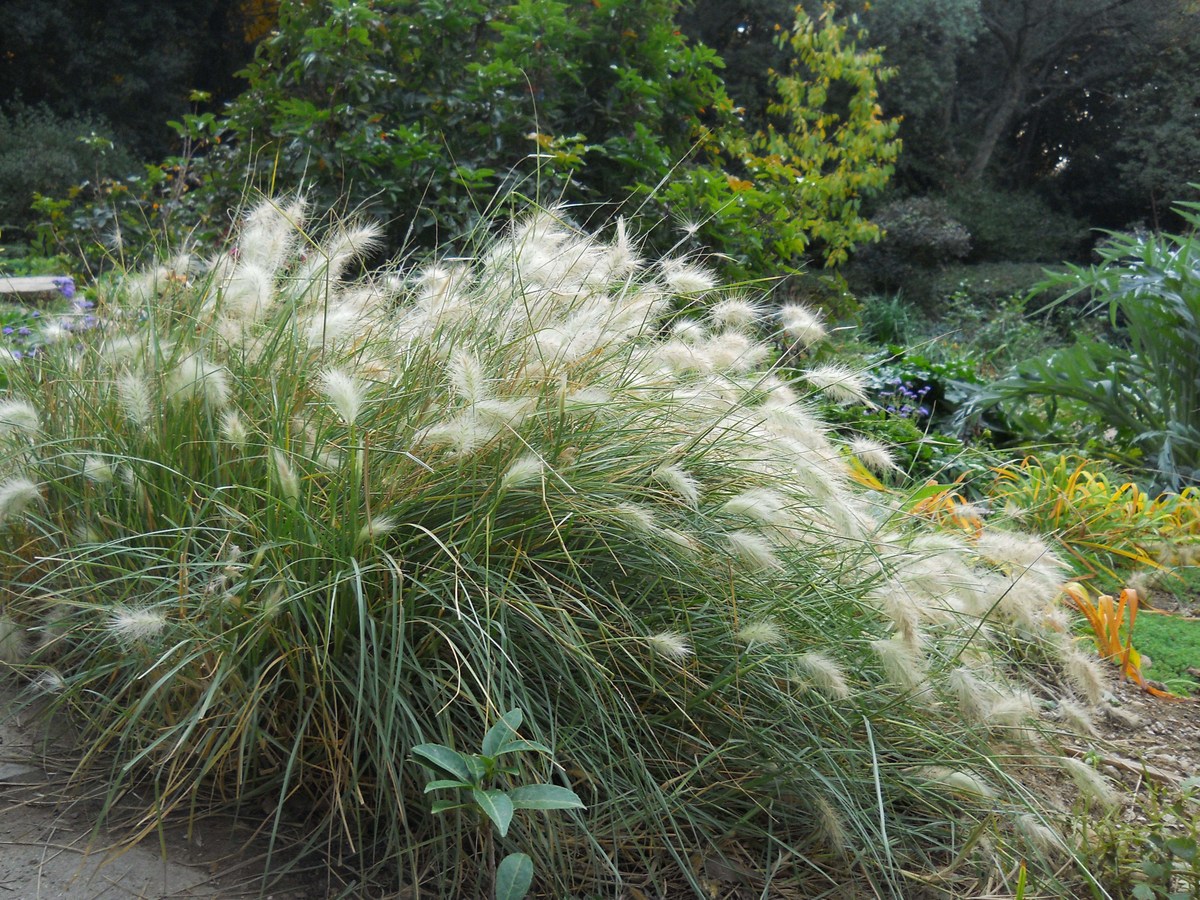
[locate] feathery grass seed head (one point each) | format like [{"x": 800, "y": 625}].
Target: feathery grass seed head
[
  {"x": 873, "y": 455},
  {"x": 763, "y": 631},
  {"x": 18, "y": 417},
  {"x": 1082, "y": 670},
  {"x": 195, "y": 377},
  {"x": 957, "y": 781},
  {"x": 1013, "y": 549},
  {"x": 753, "y": 550},
  {"x": 902, "y": 665},
  {"x": 344, "y": 393},
  {"x": 468, "y": 380},
  {"x": 762, "y": 505},
  {"x": 133, "y": 395},
  {"x": 830, "y": 825},
  {"x": 973, "y": 697},
  {"x": 289, "y": 481},
  {"x": 234, "y": 429},
  {"x": 523, "y": 470},
  {"x": 1094, "y": 787},
  {"x": 1044, "y": 837},
  {"x": 670, "y": 644},
  {"x": 132, "y": 624},
  {"x": 823, "y": 673},
  {"x": 839, "y": 383},
  {"x": 16, "y": 495},
  {"x": 49, "y": 681},
  {"x": 1076, "y": 718},
  {"x": 685, "y": 278},
  {"x": 97, "y": 470},
  {"x": 735, "y": 313},
  {"x": 676, "y": 479},
  {"x": 801, "y": 324},
  {"x": 376, "y": 528}
]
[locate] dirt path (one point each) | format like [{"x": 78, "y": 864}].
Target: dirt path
[{"x": 51, "y": 850}]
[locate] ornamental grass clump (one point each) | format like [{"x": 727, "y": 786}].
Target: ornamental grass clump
[{"x": 268, "y": 528}]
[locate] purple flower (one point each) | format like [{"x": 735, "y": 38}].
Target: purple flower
[
  {"x": 8, "y": 329},
  {"x": 66, "y": 286}
]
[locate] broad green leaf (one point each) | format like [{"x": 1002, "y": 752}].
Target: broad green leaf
[
  {"x": 496, "y": 806},
  {"x": 1155, "y": 869},
  {"x": 440, "y": 806},
  {"x": 522, "y": 744},
  {"x": 545, "y": 796},
  {"x": 502, "y": 732},
  {"x": 1143, "y": 891},
  {"x": 445, "y": 759},
  {"x": 1183, "y": 847},
  {"x": 440, "y": 783},
  {"x": 514, "y": 875}
]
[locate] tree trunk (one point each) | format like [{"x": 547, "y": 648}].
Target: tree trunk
[{"x": 998, "y": 122}]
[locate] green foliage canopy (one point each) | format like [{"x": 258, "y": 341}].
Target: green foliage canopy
[{"x": 440, "y": 107}]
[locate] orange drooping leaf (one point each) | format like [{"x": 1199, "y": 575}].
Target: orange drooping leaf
[{"x": 1106, "y": 616}]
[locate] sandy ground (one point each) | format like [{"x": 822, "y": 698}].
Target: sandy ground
[{"x": 51, "y": 850}]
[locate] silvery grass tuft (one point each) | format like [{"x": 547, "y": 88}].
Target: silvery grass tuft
[{"x": 268, "y": 528}]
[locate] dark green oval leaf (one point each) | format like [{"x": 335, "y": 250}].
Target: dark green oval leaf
[
  {"x": 545, "y": 796},
  {"x": 496, "y": 806},
  {"x": 502, "y": 732},
  {"x": 445, "y": 759},
  {"x": 522, "y": 744},
  {"x": 440, "y": 783},
  {"x": 514, "y": 875}
]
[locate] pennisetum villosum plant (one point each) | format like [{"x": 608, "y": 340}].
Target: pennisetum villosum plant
[{"x": 268, "y": 529}]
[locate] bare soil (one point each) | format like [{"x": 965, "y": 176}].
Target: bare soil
[{"x": 52, "y": 849}]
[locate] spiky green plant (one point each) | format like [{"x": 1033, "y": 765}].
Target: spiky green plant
[
  {"x": 268, "y": 529},
  {"x": 1146, "y": 385}
]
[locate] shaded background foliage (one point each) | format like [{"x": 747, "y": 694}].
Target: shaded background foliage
[
  {"x": 1028, "y": 120},
  {"x": 130, "y": 65}
]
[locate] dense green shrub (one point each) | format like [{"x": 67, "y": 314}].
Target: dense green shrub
[
  {"x": 431, "y": 117},
  {"x": 1015, "y": 225},
  {"x": 268, "y": 529},
  {"x": 889, "y": 319},
  {"x": 41, "y": 152},
  {"x": 918, "y": 233},
  {"x": 116, "y": 220}
]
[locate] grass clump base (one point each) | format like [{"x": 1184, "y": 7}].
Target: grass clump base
[{"x": 266, "y": 529}]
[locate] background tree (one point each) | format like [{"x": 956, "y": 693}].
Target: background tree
[
  {"x": 433, "y": 108},
  {"x": 794, "y": 187},
  {"x": 1146, "y": 126},
  {"x": 424, "y": 113},
  {"x": 131, "y": 65},
  {"x": 1037, "y": 52}
]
